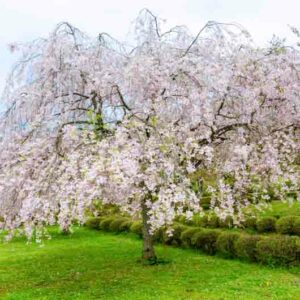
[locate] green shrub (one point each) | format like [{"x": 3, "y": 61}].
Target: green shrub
[
  {"x": 105, "y": 223},
  {"x": 213, "y": 221},
  {"x": 210, "y": 221},
  {"x": 187, "y": 234},
  {"x": 285, "y": 225},
  {"x": 183, "y": 220},
  {"x": 125, "y": 225},
  {"x": 296, "y": 229},
  {"x": 279, "y": 250},
  {"x": 226, "y": 223},
  {"x": 196, "y": 220},
  {"x": 225, "y": 243},
  {"x": 245, "y": 246},
  {"x": 137, "y": 228},
  {"x": 203, "y": 222},
  {"x": 158, "y": 235},
  {"x": 249, "y": 222},
  {"x": 177, "y": 219},
  {"x": 205, "y": 203},
  {"x": 266, "y": 224},
  {"x": 115, "y": 225},
  {"x": 93, "y": 223},
  {"x": 175, "y": 239},
  {"x": 206, "y": 240},
  {"x": 105, "y": 210}
]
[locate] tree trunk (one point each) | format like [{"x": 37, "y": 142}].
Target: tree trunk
[
  {"x": 148, "y": 247},
  {"x": 66, "y": 231}
]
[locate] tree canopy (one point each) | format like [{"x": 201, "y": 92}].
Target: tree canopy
[{"x": 132, "y": 123}]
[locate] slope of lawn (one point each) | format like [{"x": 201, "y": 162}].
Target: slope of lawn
[
  {"x": 95, "y": 265},
  {"x": 276, "y": 209},
  {"x": 280, "y": 209}
]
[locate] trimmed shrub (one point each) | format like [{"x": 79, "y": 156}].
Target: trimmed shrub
[
  {"x": 125, "y": 225},
  {"x": 226, "y": 223},
  {"x": 279, "y": 250},
  {"x": 296, "y": 229},
  {"x": 183, "y": 220},
  {"x": 196, "y": 220},
  {"x": 105, "y": 210},
  {"x": 206, "y": 240},
  {"x": 158, "y": 235},
  {"x": 285, "y": 225},
  {"x": 213, "y": 221},
  {"x": 175, "y": 239},
  {"x": 115, "y": 225},
  {"x": 210, "y": 221},
  {"x": 180, "y": 219},
  {"x": 266, "y": 224},
  {"x": 225, "y": 243},
  {"x": 245, "y": 247},
  {"x": 136, "y": 227},
  {"x": 203, "y": 221},
  {"x": 205, "y": 203},
  {"x": 105, "y": 223},
  {"x": 187, "y": 234},
  {"x": 249, "y": 222},
  {"x": 93, "y": 223}
]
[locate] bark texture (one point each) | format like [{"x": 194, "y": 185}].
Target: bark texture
[{"x": 148, "y": 246}]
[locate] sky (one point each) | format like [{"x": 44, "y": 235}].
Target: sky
[{"x": 25, "y": 20}]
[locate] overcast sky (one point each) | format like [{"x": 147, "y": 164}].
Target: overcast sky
[{"x": 24, "y": 20}]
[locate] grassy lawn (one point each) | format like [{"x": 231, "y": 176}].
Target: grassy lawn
[
  {"x": 276, "y": 209},
  {"x": 94, "y": 265},
  {"x": 282, "y": 209}
]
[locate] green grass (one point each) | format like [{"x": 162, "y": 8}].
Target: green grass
[
  {"x": 280, "y": 209},
  {"x": 95, "y": 265},
  {"x": 275, "y": 209}
]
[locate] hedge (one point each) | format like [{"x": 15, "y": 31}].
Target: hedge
[
  {"x": 93, "y": 222},
  {"x": 288, "y": 225},
  {"x": 206, "y": 240},
  {"x": 297, "y": 226},
  {"x": 136, "y": 227},
  {"x": 249, "y": 222},
  {"x": 187, "y": 235},
  {"x": 272, "y": 250},
  {"x": 225, "y": 243},
  {"x": 115, "y": 225},
  {"x": 266, "y": 224},
  {"x": 175, "y": 238},
  {"x": 278, "y": 250},
  {"x": 245, "y": 246},
  {"x": 105, "y": 223},
  {"x": 125, "y": 226},
  {"x": 284, "y": 225},
  {"x": 226, "y": 223}
]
